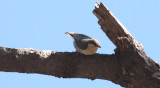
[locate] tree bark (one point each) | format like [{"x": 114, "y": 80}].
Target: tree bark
[
  {"x": 59, "y": 64},
  {"x": 139, "y": 71},
  {"x": 129, "y": 67}
]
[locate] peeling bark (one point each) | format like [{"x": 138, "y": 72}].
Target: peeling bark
[
  {"x": 115, "y": 31},
  {"x": 129, "y": 67},
  {"x": 139, "y": 71}
]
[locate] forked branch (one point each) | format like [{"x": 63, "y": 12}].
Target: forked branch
[
  {"x": 129, "y": 67},
  {"x": 139, "y": 71}
]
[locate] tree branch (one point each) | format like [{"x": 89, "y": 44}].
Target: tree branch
[
  {"x": 115, "y": 31},
  {"x": 139, "y": 71},
  {"x": 59, "y": 64},
  {"x": 129, "y": 67}
]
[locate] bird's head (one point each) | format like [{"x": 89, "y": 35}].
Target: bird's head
[{"x": 93, "y": 42}]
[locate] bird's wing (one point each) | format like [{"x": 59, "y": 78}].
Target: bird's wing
[
  {"x": 81, "y": 44},
  {"x": 79, "y": 39},
  {"x": 81, "y": 36}
]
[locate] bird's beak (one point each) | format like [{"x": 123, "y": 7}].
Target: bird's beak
[{"x": 99, "y": 46}]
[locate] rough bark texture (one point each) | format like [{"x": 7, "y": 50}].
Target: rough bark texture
[
  {"x": 139, "y": 71},
  {"x": 115, "y": 31},
  {"x": 59, "y": 64},
  {"x": 129, "y": 67}
]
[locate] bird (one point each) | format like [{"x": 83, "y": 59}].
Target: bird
[{"x": 84, "y": 44}]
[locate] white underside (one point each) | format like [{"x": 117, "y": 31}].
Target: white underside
[{"x": 89, "y": 51}]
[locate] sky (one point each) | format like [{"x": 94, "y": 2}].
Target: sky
[{"x": 41, "y": 24}]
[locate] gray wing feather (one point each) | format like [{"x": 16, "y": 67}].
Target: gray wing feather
[
  {"x": 79, "y": 39},
  {"x": 81, "y": 44}
]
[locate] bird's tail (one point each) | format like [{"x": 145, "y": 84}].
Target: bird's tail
[{"x": 69, "y": 33}]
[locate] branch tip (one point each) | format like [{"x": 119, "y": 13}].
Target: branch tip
[{"x": 97, "y": 5}]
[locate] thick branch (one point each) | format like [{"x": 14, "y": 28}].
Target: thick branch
[
  {"x": 129, "y": 67},
  {"x": 59, "y": 64},
  {"x": 139, "y": 71},
  {"x": 115, "y": 31}
]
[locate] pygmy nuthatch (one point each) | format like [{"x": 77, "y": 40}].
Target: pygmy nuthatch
[{"x": 84, "y": 44}]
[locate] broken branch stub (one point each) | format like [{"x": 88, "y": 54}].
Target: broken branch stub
[{"x": 115, "y": 31}]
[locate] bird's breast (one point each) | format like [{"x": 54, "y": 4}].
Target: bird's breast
[{"x": 91, "y": 49}]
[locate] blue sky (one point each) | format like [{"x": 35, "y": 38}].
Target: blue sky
[{"x": 40, "y": 24}]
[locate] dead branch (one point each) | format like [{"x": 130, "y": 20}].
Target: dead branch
[
  {"x": 139, "y": 71},
  {"x": 129, "y": 67},
  {"x": 59, "y": 64}
]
